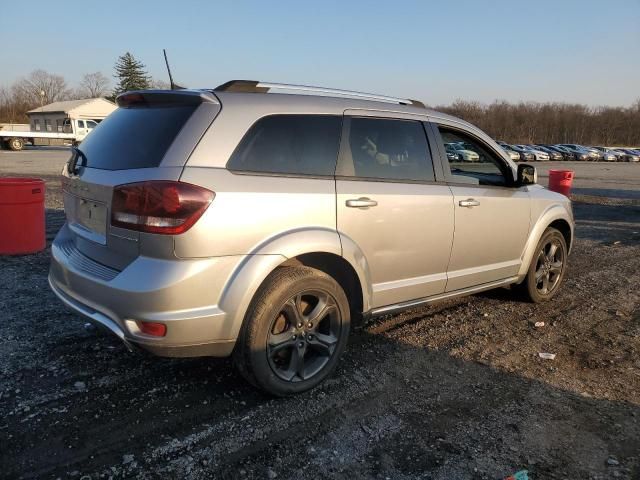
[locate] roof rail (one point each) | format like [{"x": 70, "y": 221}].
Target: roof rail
[{"x": 254, "y": 86}]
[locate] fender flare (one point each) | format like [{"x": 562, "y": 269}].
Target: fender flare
[
  {"x": 251, "y": 272},
  {"x": 551, "y": 214}
]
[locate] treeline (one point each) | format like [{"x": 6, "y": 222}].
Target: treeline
[
  {"x": 530, "y": 122},
  {"x": 524, "y": 122},
  {"x": 41, "y": 88}
]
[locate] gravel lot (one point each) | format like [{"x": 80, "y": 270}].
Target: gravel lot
[{"x": 452, "y": 391}]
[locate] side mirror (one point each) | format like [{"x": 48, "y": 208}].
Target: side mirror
[{"x": 527, "y": 175}]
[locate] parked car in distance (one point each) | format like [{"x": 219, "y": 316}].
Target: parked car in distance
[
  {"x": 592, "y": 153},
  {"x": 513, "y": 155},
  {"x": 463, "y": 152},
  {"x": 631, "y": 155},
  {"x": 239, "y": 221},
  {"x": 553, "y": 155},
  {"x": 566, "y": 154},
  {"x": 610, "y": 155},
  {"x": 597, "y": 154},
  {"x": 525, "y": 154},
  {"x": 580, "y": 153},
  {"x": 452, "y": 156},
  {"x": 540, "y": 155}
]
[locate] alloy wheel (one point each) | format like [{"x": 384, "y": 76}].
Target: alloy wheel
[
  {"x": 549, "y": 266},
  {"x": 303, "y": 336}
]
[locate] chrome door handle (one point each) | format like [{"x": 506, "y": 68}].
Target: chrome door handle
[
  {"x": 362, "y": 202},
  {"x": 469, "y": 202}
]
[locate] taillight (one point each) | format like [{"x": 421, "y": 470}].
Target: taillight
[
  {"x": 159, "y": 206},
  {"x": 125, "y": 100}
]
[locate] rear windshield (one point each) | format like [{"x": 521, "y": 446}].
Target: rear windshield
[{"x": 134, "y": 137}]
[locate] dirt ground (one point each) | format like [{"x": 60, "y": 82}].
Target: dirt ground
[{"x": 452, "y": 391}]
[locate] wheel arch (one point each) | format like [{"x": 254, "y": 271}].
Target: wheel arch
[
  {"x": 316, "y": 248},
  {"x": 340, "y": 270},
  {"x": 555, "y": 216},
  {"x": 565, "y": 228}
]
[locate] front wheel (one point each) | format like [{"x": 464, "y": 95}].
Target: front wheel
[
  {"x": 294, "y": 332},
  {"x": 547, "y": 268}
]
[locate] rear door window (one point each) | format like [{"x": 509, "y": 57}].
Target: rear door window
[
  {"x": 134, "y": 137},
  {"x": 290, "y": 144},
  {"x": 387, "y": 149}
]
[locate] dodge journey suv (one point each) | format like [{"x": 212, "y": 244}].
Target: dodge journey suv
[{"x": 259, "y": 220}]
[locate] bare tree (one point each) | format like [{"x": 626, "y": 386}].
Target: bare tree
[
  {"x": 43, "y": 87},
  {"x": 531, "y": 122},
  {"x": 157, "y": 84},
  {"x": 14, "y": 104},
  {"x": 94, "y": 85}
]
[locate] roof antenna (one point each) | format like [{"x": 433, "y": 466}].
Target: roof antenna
[{"x": 173, "y": 85}]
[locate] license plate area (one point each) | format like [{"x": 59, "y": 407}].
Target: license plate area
[{"x": 87, "y": 218}]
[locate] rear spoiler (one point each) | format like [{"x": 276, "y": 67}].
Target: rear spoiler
[{"x": 156, "y": 98}]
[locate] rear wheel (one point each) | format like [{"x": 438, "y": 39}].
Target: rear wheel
[
  {"x": 16, "y": 144},
  {"x": 295, "y": 331},
  {"x": 547, "y": 268}
]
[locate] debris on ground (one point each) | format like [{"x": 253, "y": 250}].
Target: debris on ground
[
  {"x": 521, "y": 475},
  {"x": 81, "y": 386},
  {"x": 547, "y": 356}
]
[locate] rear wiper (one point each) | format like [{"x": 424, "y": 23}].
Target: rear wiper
[{"x": 73, "y": 165}]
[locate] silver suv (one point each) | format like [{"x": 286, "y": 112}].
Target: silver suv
[{"x": 244, "y": 220}]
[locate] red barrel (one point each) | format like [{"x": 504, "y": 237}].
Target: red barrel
[
  {"x": 560, "y": 181},
  {"x": 21, "y": 215}
]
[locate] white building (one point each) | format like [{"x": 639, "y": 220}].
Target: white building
[{"x": 51, "y": 118}]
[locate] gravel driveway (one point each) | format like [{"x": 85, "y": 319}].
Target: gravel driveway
[{"x": 452, "y": 391}]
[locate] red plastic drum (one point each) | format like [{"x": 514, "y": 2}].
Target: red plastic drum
[
  {"x": 21, "y": 215},
  {"x": 560, "y": 181}
]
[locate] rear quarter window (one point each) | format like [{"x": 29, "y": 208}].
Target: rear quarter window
[
  {"x": 290, "y": 144},
  {"x": 134, "y": 137}
]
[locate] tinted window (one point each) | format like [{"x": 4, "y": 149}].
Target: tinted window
[
  {"x": 134, "y": 137},
  {"x": 387, "y": 149},
  {"x": 296, "y": 144},
  {"x": 470, "y": 157},
  {"x": 80, "y": 123}
]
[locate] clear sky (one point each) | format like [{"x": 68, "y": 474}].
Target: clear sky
[{"x": 585, "y": 51}]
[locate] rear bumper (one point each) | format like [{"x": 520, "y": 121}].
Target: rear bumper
[{"x": 182, "y": 294}]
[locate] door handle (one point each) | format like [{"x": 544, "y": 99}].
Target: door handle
[
  {"x": 362, "y": 202},
  {"x": 469, "y": 202}
]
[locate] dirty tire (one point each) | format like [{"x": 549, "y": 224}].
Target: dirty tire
[
  {"x": 286, "y": 291},
  {"x": 15, "y": 144},
  {"x": 530, "y": 289}
]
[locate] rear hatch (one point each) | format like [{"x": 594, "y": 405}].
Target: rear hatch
[{"x": 150, "y": 137}]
